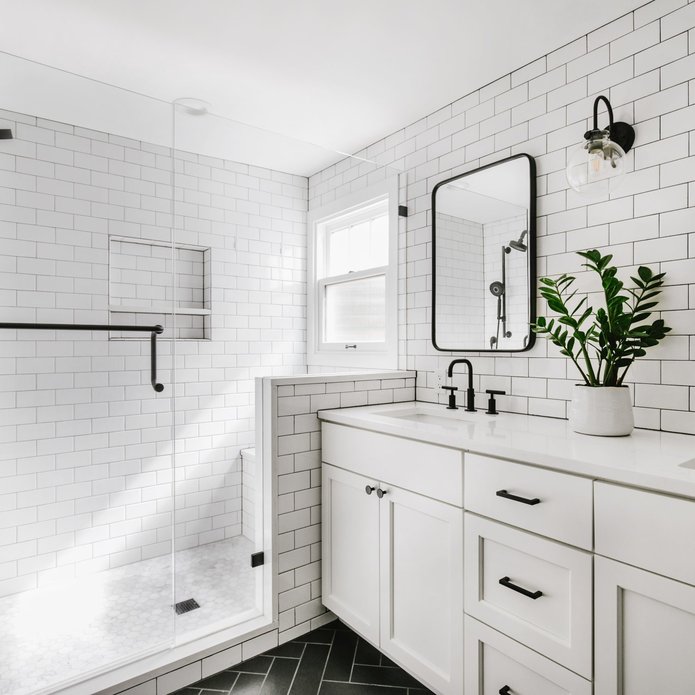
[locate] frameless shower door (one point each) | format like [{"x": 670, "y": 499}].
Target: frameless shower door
[{"x": 223, "y": 555}]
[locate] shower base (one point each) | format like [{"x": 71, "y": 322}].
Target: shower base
[{"x": 58, "y": 634}]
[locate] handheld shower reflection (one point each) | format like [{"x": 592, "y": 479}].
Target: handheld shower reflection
[{"x": 519, "y": 245}]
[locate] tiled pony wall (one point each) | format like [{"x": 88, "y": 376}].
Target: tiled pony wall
[{"x": 645, "y": 63}]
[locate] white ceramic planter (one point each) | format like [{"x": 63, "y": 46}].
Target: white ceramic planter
[{"x": 605, "y": 411}]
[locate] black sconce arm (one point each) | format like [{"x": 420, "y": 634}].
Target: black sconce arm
[{"x": 619, "y": 132}]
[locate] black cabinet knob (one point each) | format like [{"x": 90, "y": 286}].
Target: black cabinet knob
[
  {"x": 505, "y": 690},
  {"x": 369, "y": 489},
  {"x": 380, "y": 493}
]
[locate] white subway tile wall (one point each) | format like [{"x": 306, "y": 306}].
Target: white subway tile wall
[
  {"x": 85, "y": 461},
  {"x": 461, "y": 274},
  {"x": 644, "y": 62}
]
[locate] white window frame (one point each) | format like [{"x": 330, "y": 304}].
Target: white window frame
[{"x": 365, "y": 355}]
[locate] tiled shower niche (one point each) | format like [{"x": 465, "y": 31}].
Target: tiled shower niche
[{"x": 152, "y": 281}]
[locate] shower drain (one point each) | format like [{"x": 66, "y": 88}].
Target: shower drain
[{"x": 190, "y": 604}]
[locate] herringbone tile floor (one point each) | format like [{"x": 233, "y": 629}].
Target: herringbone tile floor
[{"x": 332, "y": 660}]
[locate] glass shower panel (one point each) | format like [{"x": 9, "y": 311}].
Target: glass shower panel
[
  {"x": 86, "y": 455},
  {"x": 241, "y": 196}
]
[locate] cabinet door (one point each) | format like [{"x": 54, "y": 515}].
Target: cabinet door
[
  {"x": 644, "y": 632},
  {"x": 350, "y": 550},
  {"x": 421, "y": 587}
]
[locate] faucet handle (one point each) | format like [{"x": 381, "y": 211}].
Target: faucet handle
[
  {"x": 491, "y": 404},
  {"x": 452, "y": 396}
]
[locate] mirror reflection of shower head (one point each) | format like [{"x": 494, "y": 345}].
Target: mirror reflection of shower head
[
  {"x": 6, "y": 134},
  {"x": 519, "y": 245},
  {"x": 496, "y": 289}
]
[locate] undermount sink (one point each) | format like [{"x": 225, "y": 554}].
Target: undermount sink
[{"x": 430, "y": 414}]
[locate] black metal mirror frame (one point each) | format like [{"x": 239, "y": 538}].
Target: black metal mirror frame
[{"x": 531, "y": 252}]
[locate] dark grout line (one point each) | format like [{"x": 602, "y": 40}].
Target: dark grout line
[
  {"x": 296, "y": 669},
  {"x": 325, "y": 666}
]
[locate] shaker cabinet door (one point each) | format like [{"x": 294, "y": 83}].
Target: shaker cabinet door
[
  {"x": 644, "y": 632},
  {"x": 350, "y": 549},
  {"x": 421, "y": 580}
]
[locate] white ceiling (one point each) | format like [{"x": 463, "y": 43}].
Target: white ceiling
[{"x": 339, "y": 73}]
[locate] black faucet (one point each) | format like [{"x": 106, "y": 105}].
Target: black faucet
[{"x": 470, "y": 393}]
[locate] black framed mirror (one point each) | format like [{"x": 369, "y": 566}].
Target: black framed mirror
[{"x": 484, "y": 258}]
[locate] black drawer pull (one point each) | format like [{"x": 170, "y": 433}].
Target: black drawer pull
[
  {"x": 505, "y": 690},
  {"x": 505, "y": 581},
  {"x": 516, "y": 498},
  {"x": 380, "y": 493},
  {"x": 369, "y": 489}
]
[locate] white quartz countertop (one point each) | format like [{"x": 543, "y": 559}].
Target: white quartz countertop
[{"x": 660, "y": 461}]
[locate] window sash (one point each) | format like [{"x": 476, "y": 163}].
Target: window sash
[
  {"x": 344, "y": 221},
  {"x": 322, "y": 284}
]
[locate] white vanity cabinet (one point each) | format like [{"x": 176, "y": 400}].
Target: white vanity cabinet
[
  {"x": 482, "y": 574},
  {"x": 644, "y": 622},
  {"x": 392, "y": 559}
]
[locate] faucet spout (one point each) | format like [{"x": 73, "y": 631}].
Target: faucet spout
[{"x": 470, "y": 392}]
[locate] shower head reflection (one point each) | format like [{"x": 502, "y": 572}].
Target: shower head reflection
[{"x": 518, "y": 245}]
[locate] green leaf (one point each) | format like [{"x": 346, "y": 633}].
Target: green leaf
[{"x": 645, "y": 273}]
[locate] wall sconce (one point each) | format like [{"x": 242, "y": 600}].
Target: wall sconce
[{"x": 602, "y": 157}]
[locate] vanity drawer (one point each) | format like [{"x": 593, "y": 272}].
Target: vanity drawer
[
  {"x": 492, "y": 661},
  {"x": 532, "y": 589},
  {"x": 646, "y": 529},
  {"x": 563, "y": 509},
  {"x": 434, "y": 471}
]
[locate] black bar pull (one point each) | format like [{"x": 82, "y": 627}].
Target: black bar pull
[
  {"x": 153, "y": 362},
  {"x": 505, "y": 690},
  {"x": 505, "y": 581},
  {"x": 516, "y": 498}
]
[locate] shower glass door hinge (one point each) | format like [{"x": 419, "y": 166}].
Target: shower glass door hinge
[
  {"x": 402, "y": 210},
  {"x": 257, "y": 559}
]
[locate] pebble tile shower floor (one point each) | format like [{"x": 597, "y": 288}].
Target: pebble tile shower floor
[
  {"x": 48, "y": 636},
  {"x": 332, "y": 660}
]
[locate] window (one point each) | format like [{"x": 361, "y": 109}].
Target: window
[{"x": 352, "y": 281}]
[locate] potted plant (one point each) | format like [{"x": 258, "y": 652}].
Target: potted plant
[{"x": 603, "y": 344}]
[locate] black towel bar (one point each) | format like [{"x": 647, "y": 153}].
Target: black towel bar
[{"x": 154, "y": 331}]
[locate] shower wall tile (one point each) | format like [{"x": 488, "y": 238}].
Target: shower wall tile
[
  {"x": 85, "y": 444},
  {"x": 644, "y": 62}
]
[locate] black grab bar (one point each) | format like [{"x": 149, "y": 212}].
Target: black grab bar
[{"x": 154, "y": 331}]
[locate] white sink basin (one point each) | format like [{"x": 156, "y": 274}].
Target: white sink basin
[{"x": 431, "y": 414}]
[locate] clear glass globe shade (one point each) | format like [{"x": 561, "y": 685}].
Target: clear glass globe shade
[{"x": 595, "y": 165}]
